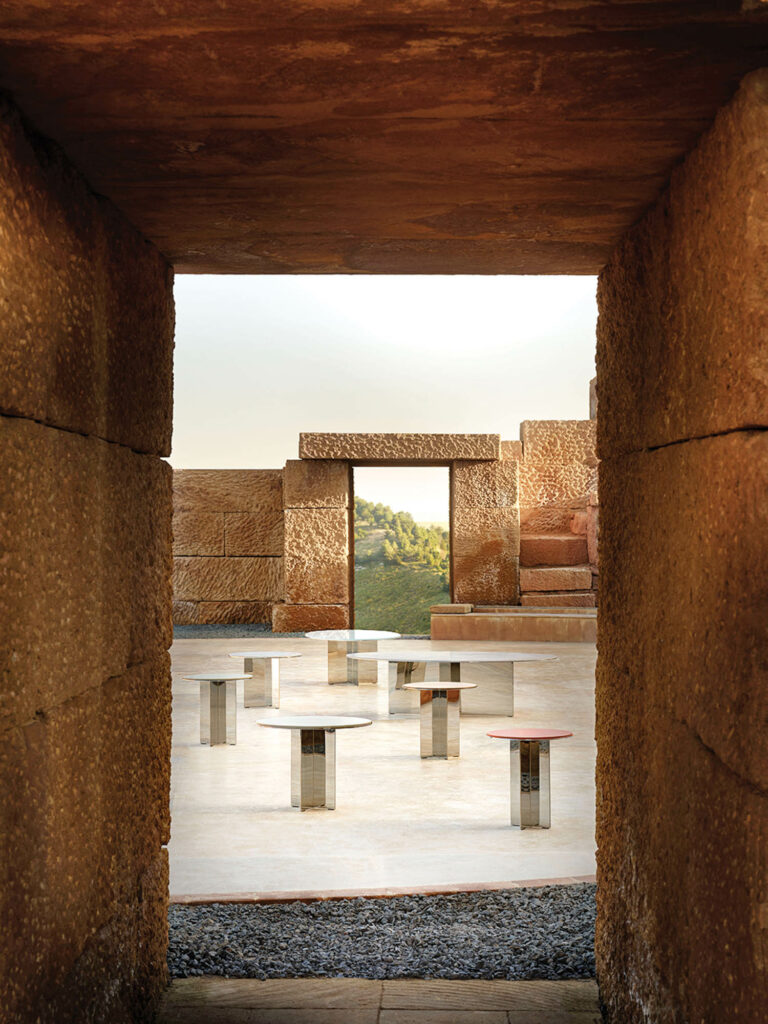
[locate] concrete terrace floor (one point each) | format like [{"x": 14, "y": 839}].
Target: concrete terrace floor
[
  {"x": 358, "y": 1001},
  {"x": 401, "y": 823}
]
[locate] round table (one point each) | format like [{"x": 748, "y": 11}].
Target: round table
[
  {"x": 218, "y": 706},
  {"x": 408, "y": 665},
  {"x": 262, "y": 690},
  {"x": 342, "y": 642},
  {"x": 529, "y": 789},
  {"x": 439, "y": 717},
  {"x": 313, "y": 755}
]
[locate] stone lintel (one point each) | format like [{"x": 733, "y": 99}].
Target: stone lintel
[{"x": 424, "y": 448}]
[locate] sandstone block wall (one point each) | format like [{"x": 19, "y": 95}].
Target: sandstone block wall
[
  {"x": 682, "y": 815},
  {"x": 228, "y": 538},
  {"x": 318, "y": 563},
  {"x": 399, "y": 447},
  {"x": 85, "y": 596}
]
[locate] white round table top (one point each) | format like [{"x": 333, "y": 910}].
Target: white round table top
[
  {"x": 265, "y": 654},
  {"x": 440, "y": 686},
  {"x": 218, "y": 677},
  {"x": 351, "y": 635},
  {"x": 449, "y": 656},
  {"x": 315, "y": 722}
]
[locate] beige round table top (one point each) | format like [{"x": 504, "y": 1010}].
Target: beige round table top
[
  {"x": 449, "y": 656},
  {"x": 315, "y": 722},
  {"x": 351, "y": 635},
  {"x": 440, "y": 686},
  {"x": 265, "y": 654},
  {"x": 219, "y": 677}
]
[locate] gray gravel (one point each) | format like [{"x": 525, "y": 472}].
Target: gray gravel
[
  {"x": 227, "y": 631},
  {"x": 544, "y": 932}
]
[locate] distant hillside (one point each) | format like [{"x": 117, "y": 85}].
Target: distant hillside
[{"x": 401, "y": 568}]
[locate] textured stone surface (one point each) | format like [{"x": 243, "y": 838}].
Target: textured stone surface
[
  {"x": 309, "y": 483},
  {"x": 348, "y": 95},
  {"x": 485, "y": 548},
  {"x": 451, "y": 609},
  {"x": 198, "y": 533},
  {"x": 317, "y": 533},
  {"x": 512, "y": 450},
  {"x": 299, "y": 618},
  {"x": 530, "y": 627},
  {"x": 227, "y": 579},
  {"x": 593, "y": 532},
  {"x": 87, "y": 325},
  {"x": 484, "y": 484},
  {"x": 316, "y": 580},
  {"x": 85, "y": 815},
  {"x": 254, "y": 533},
  {"x": 85, "y": 587},
  {"x": 553, "y": 549},
  {"x": 571, "y": 577},
  {"x": 560, "y": 599},
  {"x": 193, "y": 613},
  {"x": 227, "y": 490},
  {"x": 545, "y": 519},
  {"x": 395, "y": 447},
  {"x": 689, "y": 367},
  {"x": 593, "y": 399},
  {"x": 565, "y": 485},
  {"x": 559, "y": 441}
]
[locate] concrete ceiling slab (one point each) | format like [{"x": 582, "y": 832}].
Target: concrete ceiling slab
[{"x": 378, "y": 136}]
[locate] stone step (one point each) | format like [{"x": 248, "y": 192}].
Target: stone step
[
  {"x": 543, "y": 625},
  {"x": 556, "y": 578},
  {"x": 553, "y": 549},
  {"x": 516, "y": 609},
  {"x": 559, "y": 599}
]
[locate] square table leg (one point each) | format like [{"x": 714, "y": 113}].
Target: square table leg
[
  {"x": 495, "y": 693},
  {"x": 439, "y": 723},
  {"x": 364, "y": 673},
  {"x": 338, "y": 671},
  {"x": 313, "y": 768},
  {"x": 262, "y": 690},
  {"x": 218, "y": 712},
  {"x": 529, "y": 788},
  {"x": 404, "y": 702}
]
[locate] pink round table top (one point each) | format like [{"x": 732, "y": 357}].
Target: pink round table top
[{"x": 529, "y": 734}]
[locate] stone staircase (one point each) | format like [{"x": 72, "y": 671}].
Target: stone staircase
[{"x": 555, "y": 571}]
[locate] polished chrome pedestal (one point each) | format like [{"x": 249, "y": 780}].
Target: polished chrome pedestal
[
  {"x": 358, "y": 673},
  {"x": 404, "y": 702},
  {"x": 262, "y": 690},
  {"x": 529, "y": 783},
  {"x": 439, "y": 723},
  {"x": 313, "y": 768},
  {"x": 218, "y": 711}
]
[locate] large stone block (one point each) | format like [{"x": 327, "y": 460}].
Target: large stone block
[
  {"x": 87, "y": 322},
  {"x": 317, "y": 534},
  {"x": 85, "y": 815},
  {"x": 228, "y": 579},
  {"x": 485, "y": 551},
  {"x": 562, "y": 441},
  {"x": 234, "y": 612},
  {"x": 254, "y": 533},
  {"x": 316, "y": 580},
  {"x": 300, "y": 618},
  {"x": 512, "y": 450},
  {"x": 185, "y": 613},
  {"x": 560, "y": 599},
  {"x": 545, "y": 519},
  {"x": 681, "y": 337},
  {"x": 400, "y": 447},
  {"x": 85, "y": 589},
  {"x": 316, "y": 483},
  {"x": 570, "y": 577},
  {"x": 198, "y": 533},
  {"x": 563, "y": 484},
  {"x": 553, "y": 549},
  {"x": 227, "y": 490},
  {"x": 484, "y": 484}
]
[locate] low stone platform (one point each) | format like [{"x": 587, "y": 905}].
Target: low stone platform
[{"x": 515, "y": 623}]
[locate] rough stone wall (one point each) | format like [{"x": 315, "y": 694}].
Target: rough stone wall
[
  {"x": 485, "y": 532},
  {"x": 227, "y": 545},
  {"x": 557, "y": 472},
  {"x": 85, "y": 596},
  {"x": 318, "y": 508},
  {"x": 682, "y": 691}
]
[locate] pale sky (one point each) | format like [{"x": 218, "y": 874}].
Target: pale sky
[{"x": 261, "y": 358}]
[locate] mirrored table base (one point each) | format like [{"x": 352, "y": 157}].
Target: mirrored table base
[
  {"x": 313, "y": 768},
  {"x": 355, "y": 673},
  {"x": 439, "y": 723},
  {"x": 218, "y": 711},
  {"x": 529, "y": 791},
  {"x": 262, "y": 690}
]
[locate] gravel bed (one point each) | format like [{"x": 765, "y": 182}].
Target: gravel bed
[
  {"x": 227, "y": 631},
  {"x": 544, "y": 932}
]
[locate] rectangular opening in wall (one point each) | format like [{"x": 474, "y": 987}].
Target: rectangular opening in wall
[{"x": 402, "y": 546}]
